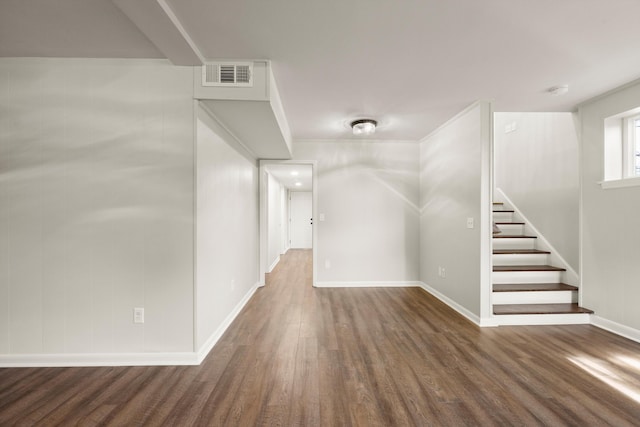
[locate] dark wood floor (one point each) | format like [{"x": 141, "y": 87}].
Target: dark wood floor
[{"x": 299, "y": 356}]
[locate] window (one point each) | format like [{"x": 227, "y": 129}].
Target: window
[
  {"x": 632, "y": 148},
  {"x": 622, "y": 150}
]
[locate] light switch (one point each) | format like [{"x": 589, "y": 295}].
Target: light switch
[
  {"x": 138, "y": 315},
  {"x": 321, "y": 217}
]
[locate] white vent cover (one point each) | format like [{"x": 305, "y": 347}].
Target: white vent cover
[{"x": 227, "y": 74}]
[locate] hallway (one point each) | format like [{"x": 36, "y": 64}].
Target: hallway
[{"x": 304, "y": 356}]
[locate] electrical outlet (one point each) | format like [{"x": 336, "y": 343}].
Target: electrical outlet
[
  {"x": 469, "y": 222},
  {"x": 442, "y": 272},
  {"x": 321, "y": 217},
  {"x": 138, "y": 315}
]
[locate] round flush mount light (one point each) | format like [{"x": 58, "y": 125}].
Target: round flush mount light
[
  {"x": 294, "y": 173},
  {"x": 363, "y": 126},
  {"x": 298, "y": 184},
  {"x": 558, "y": 90}
]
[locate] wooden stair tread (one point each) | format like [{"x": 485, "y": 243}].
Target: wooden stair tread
[
  {"x": 532, "y": 287},
  {"x": 509, "y": 223},
  {"x": 510, "y": 236},
  {"x": 566, "y": 308},
  {"x": 519, "y": 251},
  {"x": 500, "y": 268},
  {"x": 502, "y": 210},
  {"x": 498, "y": 203}
]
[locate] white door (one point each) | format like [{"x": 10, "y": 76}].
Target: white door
[{"x": 300, "y": 224}]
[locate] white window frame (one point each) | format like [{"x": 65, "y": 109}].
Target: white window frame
[
  {"x": 630, "y": 144},
  {"x": 619, "y": 145}
]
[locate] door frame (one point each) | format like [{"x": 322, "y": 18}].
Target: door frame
[{"x": 263, "y": 214}]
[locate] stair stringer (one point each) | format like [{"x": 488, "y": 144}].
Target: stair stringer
[{"x": 570, "y": 276}]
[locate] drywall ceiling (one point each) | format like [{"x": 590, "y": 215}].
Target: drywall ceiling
[
  {"x": 289, "y": 175},
  {"x": 70, "y": 28},
  {"x": 411, "y": 65}
]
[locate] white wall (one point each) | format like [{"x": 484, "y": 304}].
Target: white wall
[
  {"x": 227, "y": 228},
  {"x": 96, "y": 206},
  {"x": 284, "y": 220},
  {"x": 274, "y": 220},
  {"x": 537, "y": 168},
  {"x": 610, "y": 235},
  {"x": 368, "y": 192},
  {"x": 453, "y": 177}
]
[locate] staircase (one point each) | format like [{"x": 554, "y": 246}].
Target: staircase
[{"x": 526, "y": 289}]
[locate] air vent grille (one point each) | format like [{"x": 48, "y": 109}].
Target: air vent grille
[
  {"x": 210, "y": 74},
  {"x": 243, "y": 74},
  {"x": 227, "y": 74}
]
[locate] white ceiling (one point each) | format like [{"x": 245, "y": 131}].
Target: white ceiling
[
  {"x": 409, "y": 64},
  {"x": 284, "y": 174}
]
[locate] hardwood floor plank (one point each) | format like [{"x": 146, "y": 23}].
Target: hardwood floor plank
[{"x": 303, "y": 356}]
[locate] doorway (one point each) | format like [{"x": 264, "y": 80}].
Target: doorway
[
  {"x": 300, "y": 220},
  {"x": 287, "y": 211}
]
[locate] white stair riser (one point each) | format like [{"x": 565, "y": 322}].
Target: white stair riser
[
  {"x": 526, "y": 276},
  {"x": 546, "y": 297},
  {"x": 503, "y": 216},
  {"x": 514, "y": 243},
  {"x": 542, "y": 319},
  {"x": 520, "y": 259},
  {"x": 511, "y": 229}
]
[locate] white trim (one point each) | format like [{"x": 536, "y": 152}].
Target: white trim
[
  {"x": 184, "y": 33},
  {"x": 454, "y": 305},
  {"x": 213, "y": 339},
  {"x": 606, "y": 94},
  {"x": 369, "y": 284},
  {"x": 273, "y": 264},
  {"x": 96, "y": 359},
  {"x": 196, "y": 110},
  {"x": 263, "y": 212},
  {"x": 486, "y": 208},
  {"x": 451, "y": 120},
  {"x": 616, "y": 328},
  {"x": 580, "y": 208},
  {"x": 571, "y": 276},
  {"x": 620, "y": 183}
]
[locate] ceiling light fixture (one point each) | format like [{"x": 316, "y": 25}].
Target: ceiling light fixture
[
  {"x": 558, "y": 90},
  {"x": 364, "y": 126},
  {"x": 294, "y": 173},
  {"x": 298, "y": 184}
]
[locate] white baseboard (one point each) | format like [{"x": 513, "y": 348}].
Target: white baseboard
[
  {"x": 96, "y": 359},
  {"x": 616, "y": 328},
  {"x": 213, "y": 339},
  {"x": 365, "y": 284},
  {"x": 454, "y": 305},
  {"x": 272, "y": 266},
  {"x": 125, "y": 359}
]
